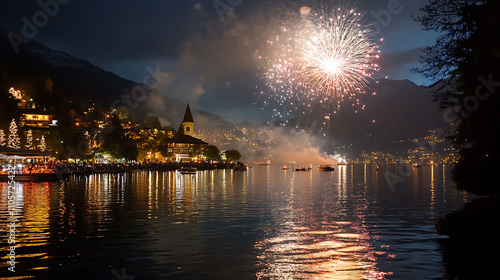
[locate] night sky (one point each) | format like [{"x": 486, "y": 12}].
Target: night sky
[{"x": 209, "y": 55}]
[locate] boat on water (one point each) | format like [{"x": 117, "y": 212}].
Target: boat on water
[
  {"x": 300, "y": 169},
  {"x": 417, "y": 165},
  {"x": 326, "y": 168},
  {"x": 40, "y": 172},
  {"x": 33, "y": 177},
  {"x": 285, "y": 168},
  {"x": 309, "y": 168},
  {"x": 265, "y": 163},
  {"x": 342, "y": 163},
  {"x": 303, "y": 169},
  {"x": 188, "y": 170},
  {"x": 240, "y": 167}
]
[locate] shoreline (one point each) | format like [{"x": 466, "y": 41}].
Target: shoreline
[{"x": 64, "y": 170}]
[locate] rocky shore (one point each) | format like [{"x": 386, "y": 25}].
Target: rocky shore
[
  {"x": 478, "y": 220},
  {"x": 473, "y": 248}
]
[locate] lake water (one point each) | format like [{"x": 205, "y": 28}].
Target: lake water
[{"x": 264, "y": 223}]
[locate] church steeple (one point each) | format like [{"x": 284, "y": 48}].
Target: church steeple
[
  {"x": 187, "y": 126},
  {"x": 187, "y": 116}
]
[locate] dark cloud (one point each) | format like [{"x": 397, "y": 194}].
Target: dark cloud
[
  {"x": 109, "y": 31},
  {"x": 211, "y": 62}
]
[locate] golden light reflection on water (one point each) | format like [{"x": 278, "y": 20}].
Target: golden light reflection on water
[
  {"x": 342, "y": 180},
  {"x": 433, "y": 189},
  {"x": 35, "y": 215},
  {"x": 33, "y": 205},
  {"x": 301, "y": 253},
  {"x": 333, "y": 244}
]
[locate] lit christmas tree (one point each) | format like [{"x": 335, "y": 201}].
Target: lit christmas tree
[
  {"x": 14, "y": 140},
  {"x": 43, "y": 145},
  {"x": 29, "y": 140},
  {"x": 17, "y": 94},
  {"x": 2, "y": 138}
]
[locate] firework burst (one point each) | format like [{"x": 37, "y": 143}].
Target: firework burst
[{"x": 326, "y": 59}]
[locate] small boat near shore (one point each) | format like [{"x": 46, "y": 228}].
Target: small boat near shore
[
  {"x": 33, "y": 177},
  {"x": 240, "y": 167},
  {"x": 188, "y": 170},
  {"x": 326, "y": 168}
]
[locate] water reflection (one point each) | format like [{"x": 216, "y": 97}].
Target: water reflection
[
  {"x": 32, "y": 210},
  {"x": 301, "y": 253},
  {"x": 320, "y": 237},
  {"x": 265, "y": 223}
]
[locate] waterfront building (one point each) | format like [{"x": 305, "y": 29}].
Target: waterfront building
[{"x": 183, "y": 146}]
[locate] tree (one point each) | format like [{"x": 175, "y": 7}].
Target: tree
[
  {"x": 8, "y": 108},
  {"x": 153, "y": 122},
  {"x": 212, "y": 153},
  {"x": 169, "y": 130},
  {"x": 156, "y": 140},
  {"x": 2, "y": 138},
  {"x": 232, "y": 155},
  {"x": 43, "y": 145},
  {"x": 195, "y": 152},
  {"x": 117, "y": 143},
  {"x": 14, "y": 140},
  {"x": 128, "y": 150},
  {"x": 29, "y": 140},
  {"x": 466, "y": 61}
]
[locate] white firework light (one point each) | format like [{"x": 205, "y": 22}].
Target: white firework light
[{"x": 325, "y": 59}]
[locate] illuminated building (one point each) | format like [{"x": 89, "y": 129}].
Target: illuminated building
[
  {"x": 36, "y": 118},
  {"x": 183, "y": 145}
]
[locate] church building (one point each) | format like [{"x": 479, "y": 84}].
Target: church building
[{"x": 183, "y": 145}]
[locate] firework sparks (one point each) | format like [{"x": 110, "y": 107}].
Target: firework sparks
[{"x": 326, "y": 59}]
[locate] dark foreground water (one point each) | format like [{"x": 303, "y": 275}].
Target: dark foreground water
[{"x": 265, "y": 223}]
